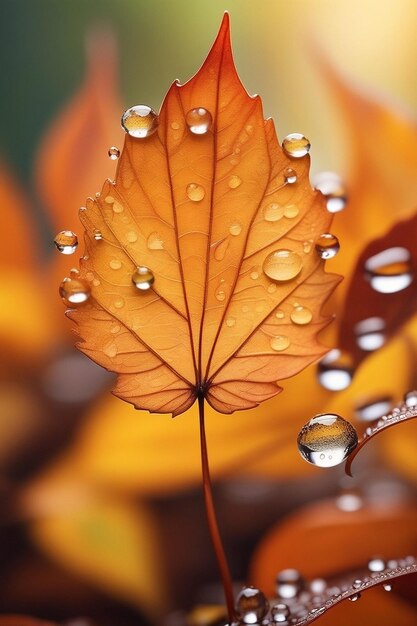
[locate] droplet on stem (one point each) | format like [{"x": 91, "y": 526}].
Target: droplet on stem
[
  {"x": 198, "y": 120},
  {"x": 296, "y": 145},
  {"x": 143, "y": 278},
  {"x": 327, "y": 440},
  {"x": 66, "y": 242},
  {"x": 74, "y": 291},
  {"x": 140, "y": 121}
]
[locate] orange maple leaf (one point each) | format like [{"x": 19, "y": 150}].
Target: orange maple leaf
[{"x": 228, "y": 241}]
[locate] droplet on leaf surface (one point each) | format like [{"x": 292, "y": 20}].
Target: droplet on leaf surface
[
  {"x": 140, "y": 121},
  {"x": 327, "y": 440},
  {"x": 282, "y": 265},
  {"x": 301, "y": 315},
  {"x": 390, "y": 271},
  {"x": 280, "y": 343},
  {"x": 327, "y": 246},
  {"x": 113, "y": 153},
  {"x": 198, "y": 120},
  {"x": 296, "y": 145},
  {"x": 74, "y": 291},
  {"x": 195, "y": 192},
  {"x": 290, "y": 176},
  {"x": 251, "y": 605},
  {"x": 66, "y": 242},
  {"x": 143, "y": 278}
]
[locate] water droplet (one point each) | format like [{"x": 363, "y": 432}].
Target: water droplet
[
  {"x": 290, "y": 176},
  {"x": 280, "y": 343},
  {"x": 140, "y": 121},
  {"x": 110, "y": 350},
  {"x": 318, "y": 586},
  {"x": 336, "y": 201},
  {"x": 410, "y": 398},
  {"x": 280, "y": 314},
  {"x": 220, "y": 249},
  {"x": 114, "y": 153},
  {"x": 198, "y": 120},
  {"x": 74, "y": 291},
  {"x": 296, "y": 145},
  {"x": 254, "y": 275},
  {"x": 117, "y": 207},
  {"x": 331, "y": 186},
  {"x": 235, "y": 229},
  {"x": 143, "y": 278},
  {"x": 280, "y": 612},
  {"x": 327, "y": 246},
  {"x": 220, "y": 294},
  {"x": 231, "y": 321},
  {"x": 107, "y": 199},
  {"x": 97, "y": 235},
  {"x": 119, "y": 303},
  {"x": 251, "y": 605},
  {"x": 374, "y": 409},
  {"x": 66, "y": 242},
  {"x": 355, "y": 597},
  {"x": 327, "y": 435},
  {"x": 349, "y": 501},
  {"x": 115, "y": 329},
  {"x": 234, "y": 182},
  {"x": 291, "y": 211},
  {"x": 369, "y": 335},
  {"x": 282, "y": 265},
  {"x": 131, "y": 236},
  {"x": 387, "y": 587},
  {"x": 115, "y": 264},
  {"x": 155, "y": 242},
  {"x": 389, "y": 271},
  {"x": 335, "y": 371},
  {"x": 272, "y": 288},
  {"x": 307, "y": 247},
  {"x": 357, "y": 584},
  {"x": 289, "y": 583},
  {"x": 74, "y": 272},
  {"x": 376, "y": 564},
  {"x": 273, "y": 212},
  {"x": 301, "y": 315},
  {"x": 195, "y": 192}
]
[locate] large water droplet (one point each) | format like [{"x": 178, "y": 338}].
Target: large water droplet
[
  {"x": 280, "y": 343},
  {"x": 280, "y": 613},
  {"x": 140, "y": 121},
  {"x": 74, "y": 291},
  {"x": 369, "y": 333},
  {"x": 296, "y": 145},
  {"x": 282, "y": 265},
  {"x": 251, "y": 605},
  {"x": 66, "y": 242},
  {"x": 327, "y": 246},
  {"x": 373, "y": 409},
  {"x": 327, "y": 440},
  {"x": 289, "y": 583},
  {"x": 410, "y": 399},
  {"x": 198, "y": 120},
  {"x": 335, "y": 371},
  {"x": 143, "y": 278},
  {"x": 273, "y": 212},
  {"x": 195, "y": 192},
  {"x": 113, "y": 153},
  {"x": 301, "y": 315},
  {"x": 290, "y": 176},
  {"x": 390, "y": 271}
]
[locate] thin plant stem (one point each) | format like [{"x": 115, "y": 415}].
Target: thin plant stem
[{"x": 212, "y": 519}]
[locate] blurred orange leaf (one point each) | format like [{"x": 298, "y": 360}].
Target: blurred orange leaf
[
  {"x": 212, "y": 219},
  {"x": 23, "y": 620}
]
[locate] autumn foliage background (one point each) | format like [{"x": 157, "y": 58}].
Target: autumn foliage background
[{"x": 101, "y": 509}]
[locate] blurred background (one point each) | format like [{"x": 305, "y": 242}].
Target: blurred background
[{"x": 100, "y": 520}]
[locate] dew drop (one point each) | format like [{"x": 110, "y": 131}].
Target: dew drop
[
  {"x": 254, "y": 275},
  {"x": 110, "y": 350},
  {"x": 273, "y": 212},
  {"x": 66, "y": 242},
  {"x": 370, "y": 333},
  {"x": 410, "y": 399},
  {"x": 115, "y": 329},
  {"x": 220, "y": 294},
  {"x": 235, "y": 229},
  {"x": 327, "y": 440},
  {"x": 115, "y": 264},
  {"x": 220, "y": 249},
  {"x": 251, "y": 605},
  {"x": 291, "y": 211},
  {"x": 296, "y": 145},
  {"x": 289, "y": 583},
  {"x": 357, "y": 584},
  {"x": 331, "y": 186},
  {"x": 335, "y": 371},
  {"x": 318, "y": 586},
  {"x": 234, "y": 182},
  {"x": 280, "y": 343},
  {"x": 282, "y": 265},
  {"x": 230, "y": 322},
  {"x": 113, "y": 153},
  {"x": 355, "y": 597},
  {"x": 140, "y": 121},
  {"x": 387, "y": 587},
  {"x": 377, "y": 564},
  {"x": 389, "y": 271},
  {"x": 143, "y": 278},
  {"x": 336, "y": 201},
  {"x": 117, "y": 207},
  {"x": 131, "y": 236},
  {"x": 198, "y": 120},
  {"x": 272, "y": 288},
  {"x": 280, "y": 314},
  {"x": 327, "y": 246},
  {"x": 290, "y": 176},
  {"x": 195, "y": 192},
  {"x": 301, "y": 315},
  {"x": 74, "y": 291},
  {"x": 374, "y": 409},
  {"x": 155, "y": 242},
  {"x": 119, "y": 303},
  {"x": 175, "y": 126},
  {"x": 74, "y": 273},
  {"x": 280, "y": 613},
  {"x": 97, "y": 235}
]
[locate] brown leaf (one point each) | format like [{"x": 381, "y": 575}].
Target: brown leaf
[{"x": 204, "y": 213}]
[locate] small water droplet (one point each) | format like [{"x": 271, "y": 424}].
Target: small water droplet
[
  {"x": 119, "y": 303},
  {"x": 296, "y": 145},
  {"x": 410, "y": 398},
  {"x": 279, "y": 343},
  {"x": 220, "y": 294},
  {"x": 355, "y": 597},
  {"x": 251, "y": 605},
  {"x": 280, "y": 613},
  {"x": 231, "y": 321},
  {"x": 376, "y": 564},
  {"x": 387, "y": 587},
  {"x": 291, "y": 211},
  {"x": 301, "y": 315},
  {"x": 327, "y": 246},
  {"x": 290, "y": 176},
  {"x": 143, "y": 278},
  {"x": 110, "y": 350},
  {"x": 336, "y": 201},
  {"x": 389, "y": 271},
  {"x": 282, "y": 265},
  {"x": 235, "y": 229},
  {"x": 175, "y": 125},
  {"x": 289, "y": 583},
  {"x": 280, "y": 314},
  {"x": 155, "y": 242},
  {"x": 107, "y": 199},
  {"x": 234, "y": 182},
  {"x": 97, "y": 235},
  {"x": 75, "y": 272},
  {"x": 272, "y": 288},
  {"x": 115, "y": 264},
  {"x": 117, "y": 207},
  {"x": 115, "y": 329},
  {"x": 113, "y": 153},
  {"x": 245, "y": 308},
  {"x": 357, "y": 584},
  {"x": 273, "y": 212},
  {"x": 369, "y": 333},
  {"x": 140, "y": 121},
  {"x": 254, "y": 275},
  {"x": 335, "y": 371},
  {"x": 374, "y": 409},
  {"x": 327, "y": 435},
  {"x": 195, "y": 192},
  {"x": 331, "y": 186},
  {"x": 198, "y": 120},
  {"x": 131, "y": 236},
  {"x": 74, "y": 291},
  {"x": 318, "y": 586},
  {"x": 66, "y": 242}
]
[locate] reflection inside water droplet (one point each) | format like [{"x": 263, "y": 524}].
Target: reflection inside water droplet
[
  {"x": 140, "y": 121},
  {"x": 296, "y": 145},
  {"x": 198, "y": 120},
  {"x": 66, "y": 242},
  {"x": 327, "y": 440},
  {"x": 390, "y": 271},
  {"x": 335, "y": 371},
  {"x": 282, "y": 265},
  {"x": 143, "y": 278}
]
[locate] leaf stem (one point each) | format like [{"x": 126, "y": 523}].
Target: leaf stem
[{"x": 212, "y": 519}]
